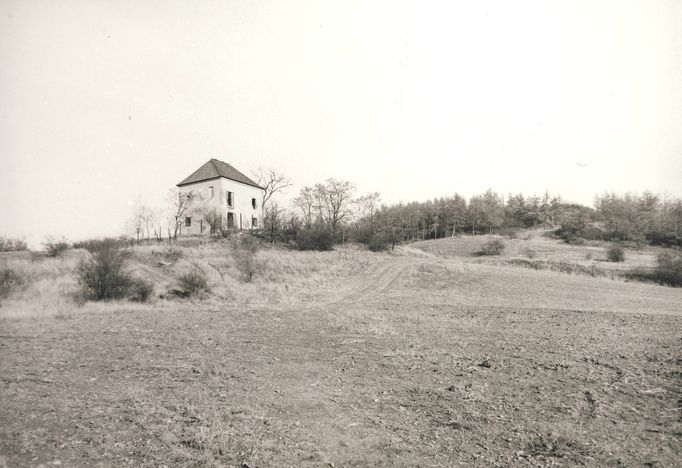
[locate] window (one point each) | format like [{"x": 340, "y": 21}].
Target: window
[
  {"x": 210, "y": 192},
  {"x": 253, "y": 203},
  {"x": 188, "y": 220},
  {"x": 254, "y": 222},
  {"x": 230, "y": 199}
]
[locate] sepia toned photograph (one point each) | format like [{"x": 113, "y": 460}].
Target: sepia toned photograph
[{"x": 340, "y": 233}]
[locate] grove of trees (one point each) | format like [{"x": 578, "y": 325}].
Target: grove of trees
[{"x": 332, "y": 212}]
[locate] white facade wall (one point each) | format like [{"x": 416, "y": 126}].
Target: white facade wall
[{"x": 242, "y": 209}]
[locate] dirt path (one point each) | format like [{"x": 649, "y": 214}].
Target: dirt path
[{"x": 377, "y": 282}]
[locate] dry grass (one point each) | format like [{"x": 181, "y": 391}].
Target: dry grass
[
  {"x": 351, "y": 358},
  {"x": 287, "y": 277},
  {"x": 543, "y": 248}
]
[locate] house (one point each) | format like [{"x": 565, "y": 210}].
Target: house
[{"x": 222, "y": 198}]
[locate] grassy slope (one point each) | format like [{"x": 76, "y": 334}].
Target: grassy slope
[{"x": 351, "y": 358}]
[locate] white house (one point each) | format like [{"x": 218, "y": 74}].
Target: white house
[{"x": 222, "y": 195}]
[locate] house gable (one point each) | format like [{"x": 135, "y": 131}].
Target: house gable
[{"x": 215, "y": 169}]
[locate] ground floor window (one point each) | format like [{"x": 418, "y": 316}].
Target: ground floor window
[{"x": 254, "y": 222}]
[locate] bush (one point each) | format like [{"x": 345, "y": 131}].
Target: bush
[
  {"x": 376, "y": 240},
  {"x": 10, "y": 280},
  {"x": 615, "y": 254},
  {"x": 509, "y": 232},
  {"x": 192, "y": 284},
  {"x": 94, "y": 245},
  {"x": 172, "y": 255},
  {"x": 665, "y": 239},
  {"x": 104, "y": 275},
  {"x": 55, "y": 247},
  {"x": 12, "y": 245},
  {"x": 492, "y": 247},
  {"x": 530, "y": 253},
  {"x": 317, "y": 238},
  {"x": 379, "y": 244},
  {"x": 244, "y": 254},
  {"x": 669, "y": 270},
  {"x": 140, "y": 290},
  {"x": 573, "y": 240}
]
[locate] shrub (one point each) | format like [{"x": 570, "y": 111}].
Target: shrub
[
  {"x": 374, "y": 238},
  {"x": 193, "y": 283},
  {"x": 666, "y": 239},
  {"x": 530, "y": 253},
  {"x": 93, "y": 245},
  {"x": 615, "y": 254},
  {"x": 10, "y": 280},
  {"x": 55, "y": 247},
  {"x": 492, "y": 247},
  {"x": 669, "y": 269},
  {"x": 140, "y": 290},
  {"x": 378, "y": 244},
  {"x": 573, "y": 240},
  {"x": 509, "y": 232},
  {"x": 316, "y": 238},
  {"x": 244, "y": 254},
  {"x": 104, "y": 275},
  {"x": 172, "y": 255},
  {"x": 12, "y": 245}
]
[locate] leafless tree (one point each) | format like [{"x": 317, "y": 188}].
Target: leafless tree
[
  {"x": 180, "y": 203},
  {"x": 245, "y": 255},
  {"x": 306, "y": 203},
  {"x": 137, "y": 225},
  {"x": 272, "y": 181},
  {"x": 334, "y": 201},
  {"x": 141, "y": 221},
  {"x": 273, "y": 222},
  {"x": 211, "y": 216},
  {"x": 367, "y": 205}
]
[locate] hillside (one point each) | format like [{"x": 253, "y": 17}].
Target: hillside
[{"x": 423, "y": 356}]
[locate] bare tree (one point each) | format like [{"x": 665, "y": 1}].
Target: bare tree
[
  {"x": 180, "y": 203},
  {"x": 211, "y": 216},
  {"x": 273, "y": 222},
  {"x": 272, "y": 181},
  {"x": 149, "y": 219},
  {"x": 141, "y": 221},
  {"x": 333, "y": 201},
  {"x": 367, "y": 206},
  {"x": 306, "y": 203},
  {"x": 245, "y": 255},
  {"x": 136, "y": 224}
]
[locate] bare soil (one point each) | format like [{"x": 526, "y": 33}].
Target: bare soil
[{"x": 422, "y": 360}]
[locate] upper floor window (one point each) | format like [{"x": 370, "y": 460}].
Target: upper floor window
[
  {"x": 230, "y": 199},
  {"x": 210, "y": 192},
  {"x": 253, "y": 203},
  {"x": 188, "y": 221}
]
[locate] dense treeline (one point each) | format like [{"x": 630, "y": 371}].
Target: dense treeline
[
  {"x": 647, "y": 217},
  {"x": 329, "y": 213},
  {"x": 487, "y": 213}
]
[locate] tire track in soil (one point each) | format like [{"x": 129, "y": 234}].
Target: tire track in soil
[{"x": 377, "y": 282}]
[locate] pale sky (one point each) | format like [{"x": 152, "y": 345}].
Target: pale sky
[{"x": 103, "y": 103}]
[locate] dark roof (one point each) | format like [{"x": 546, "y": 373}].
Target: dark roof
[{"x": 214, "y": 169}]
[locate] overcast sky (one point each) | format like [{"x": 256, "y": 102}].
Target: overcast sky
[{"x": 103, "y": 103}]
